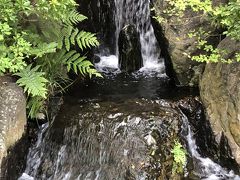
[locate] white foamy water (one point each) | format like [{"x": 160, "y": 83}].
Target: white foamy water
[
  {"x": 108, "y": 64},
  {"x": 34, "y": 156},
  {"x": 206, "y": 169},
  {"x": 136, "y": 13},
  {"x": 26, "y": 177}
]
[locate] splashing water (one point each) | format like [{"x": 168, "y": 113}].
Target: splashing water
[
  {"x": 205, "y": 168},
  {"x": 137, "y": 13},
  {"x": 97, "y": 142},
  {"x": 108, "y": 64}
]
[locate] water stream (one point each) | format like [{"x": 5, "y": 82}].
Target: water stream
[
  {"x": 138, "y": 14},
  {"x": 106, "y": 140},
  {"x": 118, "y": 131},
  {"x": 122, "y": 127},
  {"x": 205, "y": 168}
]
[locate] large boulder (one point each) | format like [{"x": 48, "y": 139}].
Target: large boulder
[
  {"x": 130, "y": 139},
  {"x": 220, "y": 92},
  {"x": 130, "y": 57},
  {"x": 12, "y": 117}
]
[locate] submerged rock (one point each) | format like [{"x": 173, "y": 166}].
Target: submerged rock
[
  {"x": 130, "y": 57},
  {"x": 109, "y": 140},
  {"x": 131, "y": 139}
]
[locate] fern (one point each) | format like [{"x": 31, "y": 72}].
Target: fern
[
  {"x": 66, "y": 34},
  {"x": 79, "y": 64},
  {"x": 34, "y": 106},
  {"x": 33, "y": 81},
  {"x": 86, "y": 39},
  {"x": 32, "y": 36},
  {"x": 74, "y": 17},
  {"x": 71, "y": 36}
]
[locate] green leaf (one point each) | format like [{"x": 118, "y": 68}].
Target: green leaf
[{"x": 34, "y": 82}]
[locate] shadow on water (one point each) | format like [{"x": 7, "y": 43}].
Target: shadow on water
[{"x": 123, "y": 86}]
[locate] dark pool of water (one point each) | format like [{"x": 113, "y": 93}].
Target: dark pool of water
[{"x": 123, "y": 87}]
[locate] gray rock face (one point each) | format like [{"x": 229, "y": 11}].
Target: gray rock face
[
  {"x": 130, "y": 57},
  {"x": 12, "y": 115},
  {"x": 220, "y": 92},
  {"x": 220, "y": 83},
  {"x": 176, "y": 30}
]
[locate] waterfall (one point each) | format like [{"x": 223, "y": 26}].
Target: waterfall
[
  {"x": 205, "y": 168},
  {"x": 115, "y": 140},
  {"x": 137, "y": 13},
  {"x": 96, "y": 142}
]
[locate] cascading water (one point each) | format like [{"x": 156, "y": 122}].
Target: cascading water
[
  {"x": 205, "y": 168},
  {"x": 136, "y": 13},
  {"x": 104, "y": 141},
  {"x": 115, "y": 140},
  {"x": 117, "y": 128}
]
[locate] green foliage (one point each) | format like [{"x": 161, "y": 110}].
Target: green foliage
[
  {"x": 179, "y": 155},
  {"x": 35, "y": 105},
  {"x": 33, "y": 34},
  {"x": 83, "y": 39},
  {"x": 225, "y": 15},
  {"x": 74, "y": 18},
  {"x": 174, "y": 9},
  {"x": 33, "y": 81},
  {"x": 228, "y": 17},
  {"x": 77, "y": 63}
]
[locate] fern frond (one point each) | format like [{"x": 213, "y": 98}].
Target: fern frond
[
  {"x": 74, "y": 17},
  {"x": 73, "y": 36},
  {"x": 68, "y": 33},
  {"x": 86, "y": 39},
  {"x": 79, "y": 64},
  {"x": 32, "y": 81}
]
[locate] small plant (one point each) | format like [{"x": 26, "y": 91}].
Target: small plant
[{"x": 179, "y": 157}]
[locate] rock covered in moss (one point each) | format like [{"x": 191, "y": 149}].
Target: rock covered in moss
[{"x": 130, "y": 57}]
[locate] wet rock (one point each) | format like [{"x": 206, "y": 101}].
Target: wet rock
[
  {"x": 101, "y": 21},
  {"x": 130, "y": 57},
  {"x": 220, "y": 92},
  {"x": 15, "y": 161},
  {"x": 12, "y": 119},
  {"x": 193, "y": 109},
  {"x": 220, "y": 151},
  {"x": 164, "y": 46},
  {"x": 118, "y": 140},
  {"x": 96, "y": 59}
]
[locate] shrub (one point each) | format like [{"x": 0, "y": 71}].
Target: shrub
[{"x": 37, "y": 37}]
